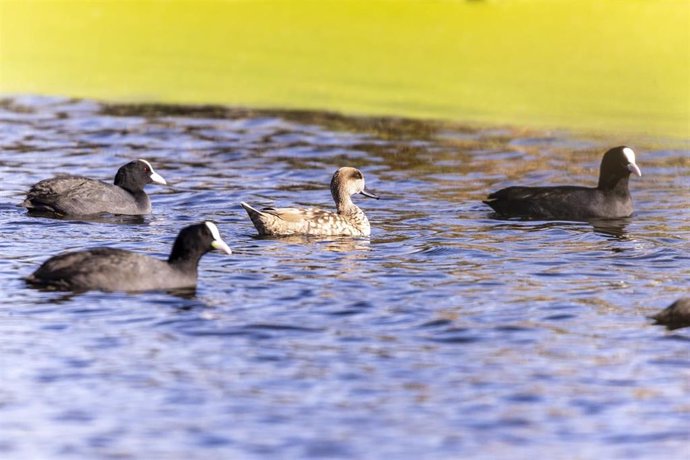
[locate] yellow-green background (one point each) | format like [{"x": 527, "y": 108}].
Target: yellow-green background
[{"x": 613, "y": 66}]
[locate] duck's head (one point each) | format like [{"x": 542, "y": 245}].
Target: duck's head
[{"x": 349, "y": 181}]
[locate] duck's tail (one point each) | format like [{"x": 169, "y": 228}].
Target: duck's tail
[{"x": 258, "y": 218}]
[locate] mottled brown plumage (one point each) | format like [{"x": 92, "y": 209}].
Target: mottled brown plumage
[{"x": 348, "y": 220}]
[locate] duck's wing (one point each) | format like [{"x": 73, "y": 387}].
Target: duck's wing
[
  {"x": 290, "y": 221},
  {"x": 299, "y": 214}
]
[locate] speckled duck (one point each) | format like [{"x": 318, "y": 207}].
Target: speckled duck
[{"x": 348, "y": 220}]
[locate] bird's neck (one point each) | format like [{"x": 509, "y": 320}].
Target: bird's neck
[
  {"x": 185, "y": 259},
  {"x": 134, "y": 190},
  {"x": 617, "y": 185},
  {"x": 141, "y": 197},
  {"x": 343, "y": 203}
]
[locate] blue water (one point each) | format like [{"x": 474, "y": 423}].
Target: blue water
[{"x": 448, "y": 334}]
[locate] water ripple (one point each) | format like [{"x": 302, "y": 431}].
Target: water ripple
[{"x": 448, "y": 332}]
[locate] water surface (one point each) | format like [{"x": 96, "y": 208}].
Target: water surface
[{"x": 447, "y": 334}]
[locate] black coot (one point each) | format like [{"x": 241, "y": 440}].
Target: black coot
[
  {"x": 81, "y": 196},
  {"x": 608, "y": 200},
  {"x": 676, "y": 315},
  {"x": 109, "y": 269}
]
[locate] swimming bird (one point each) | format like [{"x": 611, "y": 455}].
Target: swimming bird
[
  {"x": 676, "y": 315},
  {"x": 348, "y": 220},
  {"x": 80, "y": 196},
  {"x": 111, "y": 269},
  {"x": 609, "y": 199}
]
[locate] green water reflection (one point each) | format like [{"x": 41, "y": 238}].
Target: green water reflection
[{"x": 596, "y": 65}]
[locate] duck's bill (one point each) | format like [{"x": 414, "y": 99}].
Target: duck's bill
[
  {"x": 157, "y": 178},
  {"x": 221, "y": 246},
  {"x": 632, "y": 167},
  {"x": 369, "y": 194}
]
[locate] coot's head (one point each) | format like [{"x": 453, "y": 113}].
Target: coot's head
[
  {"x": 349, "y": 181},
  {"x": 136, "y": 174},
  {"x": 196, "y": 240},
  {"x": 618, "y": 163}
]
